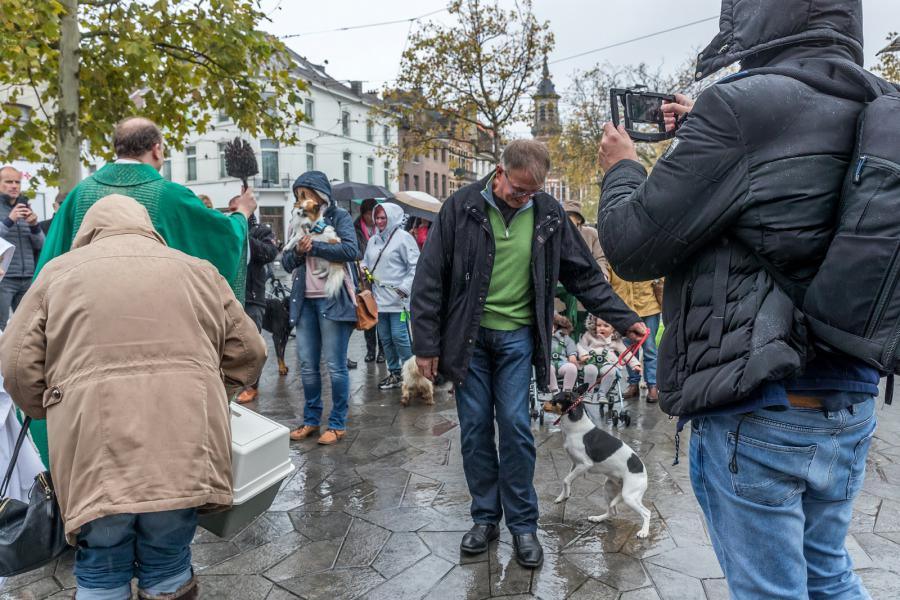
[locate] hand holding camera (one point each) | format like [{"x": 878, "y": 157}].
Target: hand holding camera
[
  {"x": 674, "y": 112},
  {"x": 21, "y": 211}
]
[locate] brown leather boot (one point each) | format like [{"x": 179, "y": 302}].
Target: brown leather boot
[
  {"x": 652, "y": 394},
  {"x": 332, "y": 436},
  {"x": 301, "y": 433},
  {"x": 189, "y": 591},
  {"x": 632, "y": 391}
]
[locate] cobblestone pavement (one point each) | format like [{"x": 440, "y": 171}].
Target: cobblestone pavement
[{"x": 380, "y": 516}]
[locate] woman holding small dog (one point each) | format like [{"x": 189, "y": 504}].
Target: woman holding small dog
[
  {"x": 324, "y": 322},
  {"x": 390, "y": 264}
]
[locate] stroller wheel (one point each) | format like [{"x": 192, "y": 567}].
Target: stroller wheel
[
  {"x": 615, "y": 419},
  {"x": 541, "y": 417},
  {"x": 626, "y": 418}
]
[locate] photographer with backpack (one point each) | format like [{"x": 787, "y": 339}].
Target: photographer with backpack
[{"x": 741, "y": 216}]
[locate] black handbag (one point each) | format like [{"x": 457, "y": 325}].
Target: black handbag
[{"x": 31, "y": 534}]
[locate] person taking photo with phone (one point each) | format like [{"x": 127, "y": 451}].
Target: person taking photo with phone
[{"x": 19, "y": 227}]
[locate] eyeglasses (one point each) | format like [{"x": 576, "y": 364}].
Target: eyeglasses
[{"x": 517, "y": 193}]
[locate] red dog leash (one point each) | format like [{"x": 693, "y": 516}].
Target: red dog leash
[{"x": 629, "y": 353}]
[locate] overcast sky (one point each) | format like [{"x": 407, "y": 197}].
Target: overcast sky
[{"x": 373, "y": 54}]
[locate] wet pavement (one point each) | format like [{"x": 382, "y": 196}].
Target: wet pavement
[{"x": 380, "y": 516}]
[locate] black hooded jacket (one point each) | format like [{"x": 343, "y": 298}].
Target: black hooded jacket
[
  {"x": 454, "y": 273},
  {"x": 755, "y": 171}
]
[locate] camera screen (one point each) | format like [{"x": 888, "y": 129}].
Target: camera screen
[{"x": 645, "y": 109}]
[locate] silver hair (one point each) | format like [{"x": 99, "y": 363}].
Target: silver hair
[{"x": 527, "y": 155}]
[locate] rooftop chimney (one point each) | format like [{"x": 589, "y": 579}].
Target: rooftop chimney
[{"x": 356, "y": 86}]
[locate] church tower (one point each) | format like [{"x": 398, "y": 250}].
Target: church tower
[{"x": 546, "y": 108}]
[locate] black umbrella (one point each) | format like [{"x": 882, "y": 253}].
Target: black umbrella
[{"x": 344, "y": 192}]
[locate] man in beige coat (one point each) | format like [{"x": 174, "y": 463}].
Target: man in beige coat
[{"x": 126, "y": 347}]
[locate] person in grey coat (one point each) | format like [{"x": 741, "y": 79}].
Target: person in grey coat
[
  {"x": 19, "y": 227},
  {"x": 390, "y": 264}
]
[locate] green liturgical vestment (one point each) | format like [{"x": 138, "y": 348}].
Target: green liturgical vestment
[{"x": 177, "y": 214}]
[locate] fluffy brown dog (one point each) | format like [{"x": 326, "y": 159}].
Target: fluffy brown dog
[
  {"x": 414, "y": 385},
  {"x": 305, "y": 217}
]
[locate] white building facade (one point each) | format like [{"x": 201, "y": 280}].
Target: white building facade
[{"x": 342, "y": 137}]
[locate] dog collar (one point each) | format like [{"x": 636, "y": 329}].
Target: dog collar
[{"x": 319, "y": 226}]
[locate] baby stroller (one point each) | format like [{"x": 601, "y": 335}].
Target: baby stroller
[{"x": 609, "y": 400}]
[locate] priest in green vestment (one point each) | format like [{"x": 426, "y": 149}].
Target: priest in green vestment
[{"x": 177, "y": 214}]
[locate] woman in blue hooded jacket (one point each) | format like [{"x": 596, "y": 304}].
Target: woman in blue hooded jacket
[
  {"x": 324, "y": 323},
  {"x": 390, "y": 263}
]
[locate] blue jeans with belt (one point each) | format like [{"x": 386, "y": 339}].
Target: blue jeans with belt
[
  {"x": 154, "y": 547},
  {"x": 777, "y": 490},
  {"x": 497, "y": 387}
]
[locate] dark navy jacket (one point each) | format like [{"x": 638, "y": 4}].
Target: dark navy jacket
[{"x": 341, "y": 307}]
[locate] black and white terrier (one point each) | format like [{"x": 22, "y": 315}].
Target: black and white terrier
[{"x": 589, "y": 446}]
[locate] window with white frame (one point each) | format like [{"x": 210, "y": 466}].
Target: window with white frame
[
  {"x": 223, "y": 171},
  {"x": 386, "y": 132},
  {"x": 167, "y": 169},
  {"x": 370, "y": 171},
  {"x": 347, "y": 166},
  {"x": 190, "y": 153},
  {"x": 345, "y": 122},
  {"x": 269, "y": 151},
  {"x": 387, "y": 175},
  {"x": 309, "y": 111},
  {"x": 370, "y": 131},
  {"x": 310, "y": 157}
]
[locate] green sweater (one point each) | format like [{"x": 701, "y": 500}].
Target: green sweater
[
  {"x": 510, "y": 300},
  {"x": 176, "y": 212}
]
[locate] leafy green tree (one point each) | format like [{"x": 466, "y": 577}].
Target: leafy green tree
[
  {"x": 474, "y": 72},
  {"x": 83, "y": 65}
]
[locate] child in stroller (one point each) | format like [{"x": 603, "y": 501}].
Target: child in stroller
[
  {"x": 563, "y": 355},
  {"x": 599, "y": 350}
]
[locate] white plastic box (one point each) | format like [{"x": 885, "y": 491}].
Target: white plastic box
[{"x": 260, "y": 461}]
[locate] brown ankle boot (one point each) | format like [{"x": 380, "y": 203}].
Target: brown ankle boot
[
  {"x": 301, "y": 433},
  {"x": 189, "y": 591},
  {"x": 632, "y": 391}
]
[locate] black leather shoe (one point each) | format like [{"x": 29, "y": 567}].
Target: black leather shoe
[
  {"x": 379, "y": 358},
  {"x": 528, "y": 550},
  {"x": 351, "y": 364},
  {"x": 370, "y": 357},
  {"x": 477, "y": 539}
]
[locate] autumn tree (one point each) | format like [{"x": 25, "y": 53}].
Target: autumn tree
[
  {"x": 574, "y": 153},
  {"x": 889, "y": 59},
  {"x": 472, "y": 73},
  {"x": 82, "y": 65}
]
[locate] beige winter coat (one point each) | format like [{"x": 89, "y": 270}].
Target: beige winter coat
[{"x": 122, "y": 344}]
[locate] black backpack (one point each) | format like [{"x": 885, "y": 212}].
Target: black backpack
[{"x": 853, "y": 303}]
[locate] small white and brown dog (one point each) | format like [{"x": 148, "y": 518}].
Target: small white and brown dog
[
  {"x": 415, "y": 385},
  {"x": 589, "y": 446},
  {"x": 306, "y": 219}
]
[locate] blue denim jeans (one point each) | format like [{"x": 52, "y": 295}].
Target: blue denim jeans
[
  {"x": 12, "y": 290},
  {"x": 777, "y": 490},
  {"x": 497, "y": 386},
  {"x": 315, "y": 335},
  {"x": 649, "y": 348},
  {"x": 154, "y": 547},
  {"x": 394, "y": 336}
]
